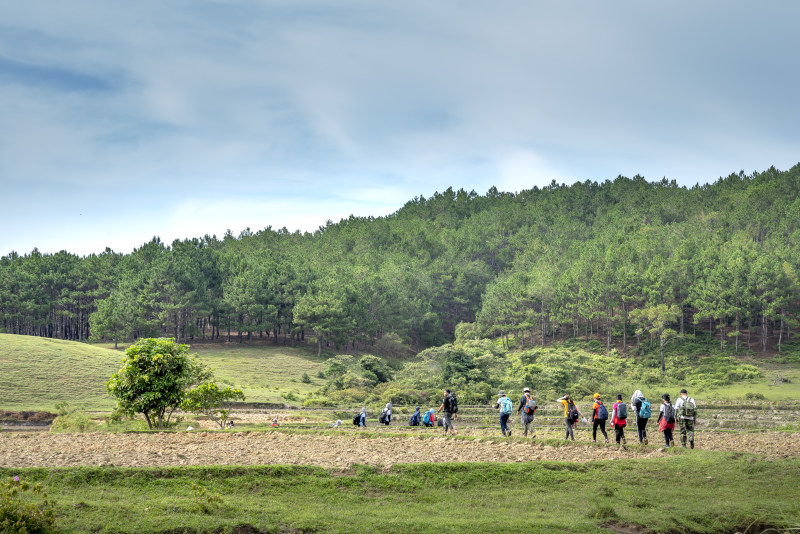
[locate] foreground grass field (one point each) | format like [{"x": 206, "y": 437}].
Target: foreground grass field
[{"x": 700, "y": 492}]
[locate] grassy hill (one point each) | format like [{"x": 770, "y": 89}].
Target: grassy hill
[{"x": 37, "y": 373}]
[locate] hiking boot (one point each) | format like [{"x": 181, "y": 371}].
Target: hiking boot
[
  {"x": 672, "y": 443},
  {"x": 691, "y": 444},
  {"x": 645, "y": 441},
  {"x": 624, "y": 441},
  {"x": 509, "y": 434},
  {"x": 607, "y": 440}
]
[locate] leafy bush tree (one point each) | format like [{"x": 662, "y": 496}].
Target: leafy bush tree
[
  {"x": 208, "y": 398},
  {"x": 25, "y": 516},
  {"x": 373, "y": 368},
  {"x": 154, "y": 378}
]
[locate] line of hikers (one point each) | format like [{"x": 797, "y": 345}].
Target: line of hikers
[{"x": 683, "y": 412}]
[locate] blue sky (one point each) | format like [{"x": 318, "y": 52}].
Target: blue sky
[{"x": 178, "y": 119}]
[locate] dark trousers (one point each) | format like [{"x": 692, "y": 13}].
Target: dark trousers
[
  {"x": 667, "y": 435},
  {"x": 601, "y": 423},
  {"x": 619, "y": 430},
  {"x": 641, "y": 427},
  {"x": 504, "y": 422}
]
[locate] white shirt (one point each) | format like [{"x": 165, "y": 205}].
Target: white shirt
[{"x": 681, "y": 402}]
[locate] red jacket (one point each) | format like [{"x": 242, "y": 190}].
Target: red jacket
[{"x": 614, "y": 420}]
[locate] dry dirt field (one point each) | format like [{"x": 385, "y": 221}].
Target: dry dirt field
[{"x": 43, "y": 449}]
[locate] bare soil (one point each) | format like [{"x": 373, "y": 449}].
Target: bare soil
[{"x": 338, "y": 451}]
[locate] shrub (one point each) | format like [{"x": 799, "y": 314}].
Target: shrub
[
  {"x": 305, "y": 379},
  {"x": 25, "y": 508},
  {"x": 750, "y": 395},
  {"x": 71, "y": 419}
]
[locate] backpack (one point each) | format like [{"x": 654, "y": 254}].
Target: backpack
[
  {"x": 530, "y": 404},
  {"x": 506, "y": 405},
  {"x": 426, "y": 419},
  {"x": 669, "y": 413},
  {"x": 644, "y": 411},
  {"x": 414, "y": 421},
  {"x": 357, "y": 419},
  {"x": 383, "y": 417},
  {"x": 622, "y": 411},
  {"x": 602, "y": 411},
  {"x": 687, "y": 410},
  {"x": 453, "y": 404},
  {"x": 572, "y": 411}
]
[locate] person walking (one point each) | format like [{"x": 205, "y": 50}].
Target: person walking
[
  {"x": 641, "y": 407},
  {"x": 449, "y": 409},
  {"x": 619, "y": 419},
  {"x": 599, "y": 418},
  {"x": 687, "y": 415},
  {"x": 571, "y": 415},
  {"x": 506, "y": 407},
  {"x": 527, "y": 406},
  {"x": 666, "y": 420}
]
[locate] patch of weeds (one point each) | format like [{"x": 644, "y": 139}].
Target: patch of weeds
[
  {"x": 603, "y": 511},
  {"x": 206, "y": 501},
  {"x": 605, "y": 491}
]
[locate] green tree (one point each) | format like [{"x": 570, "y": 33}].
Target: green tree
[
  {"x": 154, "y": 378},
  {"x": 208, "y": 399}
]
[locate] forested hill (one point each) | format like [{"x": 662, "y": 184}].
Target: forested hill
[{"x": 589, "y": 259}]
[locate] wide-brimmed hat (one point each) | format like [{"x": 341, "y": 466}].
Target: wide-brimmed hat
[
  {"x": 526, "y": 390},
  {"x": 501, "y": 394}
]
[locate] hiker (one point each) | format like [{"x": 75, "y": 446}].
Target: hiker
[
  {"x": 528, "y": 407},
  {"x": 506, "y": 407},
  {"x": 687, "y": 415},
  {"x": 619, "y": 419},
  {"x": 599, "y": 418},
  {"x": 666, "y": 420},
  {"x": 386, "y": 414},
  {"x": 449, "y": 409},
  {"x": 415, "y": 418},
  {"x": 571, "y": 415},
  {"x": 337, "y": 424},
  {"x": 428, "y": 419},
  {"x": 641, "y": 407},
  {"x": 274, "y": 422},
  {"x": 230, "y": 423}
]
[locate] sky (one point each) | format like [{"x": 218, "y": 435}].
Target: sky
[{"x": 124, "y": 121}]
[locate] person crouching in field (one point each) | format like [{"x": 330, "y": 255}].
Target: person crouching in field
[
  {"x": 571, "y": 415},
  {"x": 666, "y": 420},
  {"x": 619, "y": 419},
  {"x": 506, "y": 407},
  {"x": 528, "y": 407},
  {"x": 386, "y": 414},
  {"x": 428, "y": 419},
  {"x": 599, "y": 418}
]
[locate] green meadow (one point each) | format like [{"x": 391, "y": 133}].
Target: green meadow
[{"x": 701, "y": 492}]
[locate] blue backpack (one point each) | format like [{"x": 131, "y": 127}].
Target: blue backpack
[
  {"x": 622, "y": 411},
  {"x": 644, "y": 411},
  {"x": 426, "y": 419},
  {"x": 414, "y": 421},
  {"x": 602, "y": 411},
  {"x": 506, "y": 405}
]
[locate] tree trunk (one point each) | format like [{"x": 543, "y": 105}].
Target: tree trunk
[
  {"x": 624, "y": 326},
  {"x": 663, "y": 368}
]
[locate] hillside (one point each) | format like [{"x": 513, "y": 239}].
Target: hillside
[{"x": 40, "y": 372}]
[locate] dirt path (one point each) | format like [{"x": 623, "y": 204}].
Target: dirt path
[{"x": 249, "y": 448}]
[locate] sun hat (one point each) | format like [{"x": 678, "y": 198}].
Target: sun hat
[
  {"x": 596, "y": 396},
  {"x": 501, "y": 394},
  {"x": 528, "y": 390}
]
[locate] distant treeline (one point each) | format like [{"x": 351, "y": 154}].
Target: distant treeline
[{"x": 613, "y": 260}]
